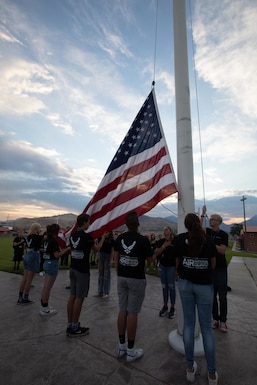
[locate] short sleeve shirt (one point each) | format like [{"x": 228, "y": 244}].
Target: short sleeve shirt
[
  {"x": 50, "y": 246},
  {"x": 133, "y": 249},
  {"x": 34, "y": 242},
  {"x": 219, "y": 237},
  {"x": 195, "y": 269},
  {"x": 107, "y": 246},
  {"x": 167, "y": 257},
  {"x": 19, "y": 249},
  {"x": 80, "y": 244}
]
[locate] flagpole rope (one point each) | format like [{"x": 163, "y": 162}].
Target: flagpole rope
[
  {"x": 155, "y": 42},
  {"x": 166, "y": 208},
  {"x": 197, "y": 102}
]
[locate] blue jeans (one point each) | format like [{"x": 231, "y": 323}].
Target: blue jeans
[
  {"x": 193, "y": 295},
  {"x": 167, "y": 277},
  {"x": 104, "y": 271},
  {"x": 219, "y": 313}
]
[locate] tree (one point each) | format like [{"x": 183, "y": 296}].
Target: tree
[{"x": 236, "y": 229}]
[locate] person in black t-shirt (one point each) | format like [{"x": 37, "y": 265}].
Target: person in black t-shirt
[
  {"x": 30, "y": 262},
  {"x": 153, "y": 243},
  {"x": 104, "y": 266},
  {"x": 196, "y": 260},
  {"x": 51, "y": 255},
  {"x": 130, "y": 253},
  {"x": 81, "y": 244},
  {"x": 220, "y": 238},
  {"x": 19, "y": 243},
  {"x": 164, "y": 252}
]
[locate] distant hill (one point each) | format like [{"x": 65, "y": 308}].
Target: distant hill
[
  {"x": 147, "y": 224},
  {"x": 252, "y": 221},
  {"x": 150, "y": 225},
  {"x": 64, "y": 221}
]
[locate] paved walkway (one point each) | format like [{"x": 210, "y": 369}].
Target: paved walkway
[{"x": 36, "y": 351}]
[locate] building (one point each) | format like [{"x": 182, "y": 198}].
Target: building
[
  {"x": 250, "y": 238},
  {"x": 4, "y": 231}
]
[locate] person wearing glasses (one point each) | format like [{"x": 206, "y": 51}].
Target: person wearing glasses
[{"x": 220, "y": 277}]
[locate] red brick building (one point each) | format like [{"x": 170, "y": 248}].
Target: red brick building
[
  {"x": 4, "y": 230},
  {"x": 250, "y": 238}
]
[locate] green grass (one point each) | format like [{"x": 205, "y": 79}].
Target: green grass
[
  {"x": 6, "y": 254},
  {"x": 238, "y": 253}
]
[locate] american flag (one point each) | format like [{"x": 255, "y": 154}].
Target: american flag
[{"x": 139, "y": 176}]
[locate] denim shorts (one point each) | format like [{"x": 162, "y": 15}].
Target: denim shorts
[
  {"x": 131, "y": 293},
  {"x": 51, "y": 267},
  {"x": 31, "y": 261}
]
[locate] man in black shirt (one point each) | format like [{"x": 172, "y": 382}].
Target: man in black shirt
[
  {"x": 131, "y": 249},
  {"x": 81, "y": 244},
  {"x": 220, "y": 239}
]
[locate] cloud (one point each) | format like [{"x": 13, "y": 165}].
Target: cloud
[
  {"x": 8, "y": 37},
  {"x": 22, "y": 84},
  {"x": 226, "y": 55},
  {"x": 36, "y": 176},
  {"x": 56, "y": 121},
  {"x": 21, "y": 156}
]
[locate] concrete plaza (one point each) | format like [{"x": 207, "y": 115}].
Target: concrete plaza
[{"x": 36, "y": 351}]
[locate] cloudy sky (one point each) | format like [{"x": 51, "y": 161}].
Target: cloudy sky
[{"x": 74, "y": 75}]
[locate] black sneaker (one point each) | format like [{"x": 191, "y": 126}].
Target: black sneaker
[
  {"x": 164, "y": 311},
  {"x": 78, "y": 332},
  {"x": 171, "y": 313},
  {"x": 27, "y": 301},
  {"x": 19, "y": 302},
  {"x": 69, "y": 329}
]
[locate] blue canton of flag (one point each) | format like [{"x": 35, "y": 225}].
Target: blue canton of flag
[{"x": 144, "y": 133}]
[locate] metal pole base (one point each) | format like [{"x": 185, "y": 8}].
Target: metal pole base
[{"x": 176, "y": 342}]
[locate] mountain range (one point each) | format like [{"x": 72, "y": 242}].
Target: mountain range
[{"x": 147, "y": 224}]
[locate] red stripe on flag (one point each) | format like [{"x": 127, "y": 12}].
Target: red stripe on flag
[
  {"x": 126, "y": 174},
  {"x": 140, "y": 209},
  {"x": 129, "y": 194}
]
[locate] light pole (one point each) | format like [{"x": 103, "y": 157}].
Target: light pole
[{"x": 243, "y": 200}]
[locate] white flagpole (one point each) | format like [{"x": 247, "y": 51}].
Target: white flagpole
[
  {"x": 161, "y": 129},
  {"x": 185, "y": 172}
]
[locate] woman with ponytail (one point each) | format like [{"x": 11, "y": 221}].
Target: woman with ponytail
[{"x": 195, "y": 252}]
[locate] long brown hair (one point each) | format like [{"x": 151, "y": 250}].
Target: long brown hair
[{"x": 196, "y": 234}]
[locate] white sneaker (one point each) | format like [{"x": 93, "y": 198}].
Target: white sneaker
[
  {"x": 213, "y": 382},
  {"x": 134, "y": 353},
  {"x": 105, "y": 296},
  {"x": 46, "y": 311},
  {"x": 191, "y": 375},
  {"x": 42, "y": 273},
  {"x": 122, "y": 350}
]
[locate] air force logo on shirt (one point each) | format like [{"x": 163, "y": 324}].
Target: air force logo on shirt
[
  {"x": 76, "y": 254},
  {"x": 192, "y": 263},
  {"x": 127, "y": 260}
]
